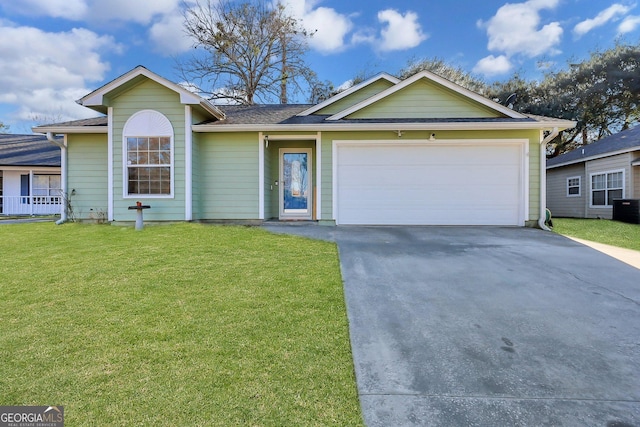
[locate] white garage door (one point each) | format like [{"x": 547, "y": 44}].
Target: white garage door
[{"x": 428, "y": 184}]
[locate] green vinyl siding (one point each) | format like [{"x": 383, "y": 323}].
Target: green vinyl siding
[
  {"x": 270, "y": 188},
  {"x": 424, "y": 99},
  {"x": 356, "y": 97},
  {"x": 149, "y": 95},
  {"x": 88, "y": 175},
  {"x": 196, "y": 178},
  {"x": 229, "y": 176},
  {"x": 196, "y": 181}
]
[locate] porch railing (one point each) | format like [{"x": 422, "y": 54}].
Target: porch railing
[{"x": 30, "y": 205}]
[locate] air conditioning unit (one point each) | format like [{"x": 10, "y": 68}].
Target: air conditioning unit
[{"x": 626, "y": 210}]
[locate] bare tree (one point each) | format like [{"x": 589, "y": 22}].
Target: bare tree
[
  {"x": 246, "y": 51},
  {"x": 445, "y": 70}
]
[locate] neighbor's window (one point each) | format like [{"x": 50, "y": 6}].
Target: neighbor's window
[
  {"x": 46, "y": 189},
  {"x": 149, "y": 165},
  {"x": 573, "y": 186},
  {"x": 605, "y": 187}
]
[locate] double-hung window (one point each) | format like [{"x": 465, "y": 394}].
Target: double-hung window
[
  {"x": 605, "y": 187},
  {"x": 573, "y": 186},
  {"x": 46, "y": 189},
  {"x": 148, "y": 155},
  {"x": 149, "y": 165}
]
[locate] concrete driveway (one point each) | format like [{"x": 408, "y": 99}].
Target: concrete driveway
[{"x": 486, "y": 326}]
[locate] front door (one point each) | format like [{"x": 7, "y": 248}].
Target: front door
[{"x": 296, "y": 189}]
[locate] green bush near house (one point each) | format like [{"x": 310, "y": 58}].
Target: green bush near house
[
  {"x": 174, "y": 325},
  {"x": 614, "y": 233}
]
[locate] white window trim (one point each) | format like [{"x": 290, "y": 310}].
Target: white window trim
[
  {"x": 141, "y": 125},
  {"x": 605, "y": 173},
  {"x": 49, "y": 188},
  {"x": 579, "y": 178}
]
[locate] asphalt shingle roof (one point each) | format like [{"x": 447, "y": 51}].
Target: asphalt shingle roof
[
  {"x": 95, "y": 121},
  {"x": 627, "y": 139},
  {"x": 286, "y": 114},
  {"x": 28, "y": 150},
  {"x": 259, "y": 114}
]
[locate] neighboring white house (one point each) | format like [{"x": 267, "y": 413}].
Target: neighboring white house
[
  {"x": 584, "y": 182},
  {"x": 29, "y": 175}
]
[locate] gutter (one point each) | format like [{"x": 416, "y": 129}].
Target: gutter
[
  {"x": 324, "y": 127},
  {"x": 543, "y": 177},
  {"x": 63, "y": 174},
  {"x": 71, "y": 129}
]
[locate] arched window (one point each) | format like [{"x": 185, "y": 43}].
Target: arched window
[{"x": 148, "y": 155}]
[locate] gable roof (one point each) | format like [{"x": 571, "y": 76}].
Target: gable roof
[
  {"x": 96, "y": 99},
  {"x": 28, "y": 150},
  {"x": 348, "y": 92},
  {"x": 291, "y": 117},
  {"x": 621, "y": 142},
  {"x": 426, "y": 75}
]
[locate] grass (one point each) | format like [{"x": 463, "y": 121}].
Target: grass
[
  {"x": 174, "y": 325},
  {"x": 612, "y": 233}
]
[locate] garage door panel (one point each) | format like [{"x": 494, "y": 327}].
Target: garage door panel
[{"x": 439, "y": 185}]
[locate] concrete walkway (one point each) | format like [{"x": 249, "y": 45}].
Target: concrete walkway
[{"x": 628, "y": 256}]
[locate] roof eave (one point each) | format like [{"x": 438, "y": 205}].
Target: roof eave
[
  {"x": 13, "y": 167},
  {"x": 95, "y": 99},
  {"x": 595, "y": 157},
  {"x": 328, "y": 127},
  {"x": 70, "y": 129}
]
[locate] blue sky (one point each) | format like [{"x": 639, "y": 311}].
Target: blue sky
[{"x": 53, "y": 52}]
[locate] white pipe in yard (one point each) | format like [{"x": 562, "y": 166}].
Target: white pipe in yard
[
  {"x": 63, "y": 176},
  {"x": 543, "y": 178}
]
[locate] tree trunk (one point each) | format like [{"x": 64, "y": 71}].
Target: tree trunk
[{"x": 283, "y": 77}]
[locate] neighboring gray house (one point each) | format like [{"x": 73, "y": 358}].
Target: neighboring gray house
[
  {"x": 29, "y": 175},
  {"x": 584, "y": 182}
]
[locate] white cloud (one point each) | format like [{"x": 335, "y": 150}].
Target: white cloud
[
  {"x": 67, "y": 9},
  {"x": 140, "y": 11},
  {"x": 364, "y": 36},
  {"x": 493, "y": 65},
  {"x": 168, "y": 35},
  {"x": 41, "y": 72},
  {"x": 629, "y": 24},
  {"x": 329, "y": 27},
  {"x": 610, "y": 13},
  {"x": 400, "y": 31},
  {"x": 332, "y": 29},
  {"x": 515, "y": 29}
]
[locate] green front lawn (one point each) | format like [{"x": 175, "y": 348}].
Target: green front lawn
[
  {"x": 612, "y": 233},
  {"x": 179, "y": 325}
]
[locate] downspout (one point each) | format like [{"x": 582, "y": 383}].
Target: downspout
[
  {"x": 543, "y": 178},
  {"x": 63, "y": 175}
]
